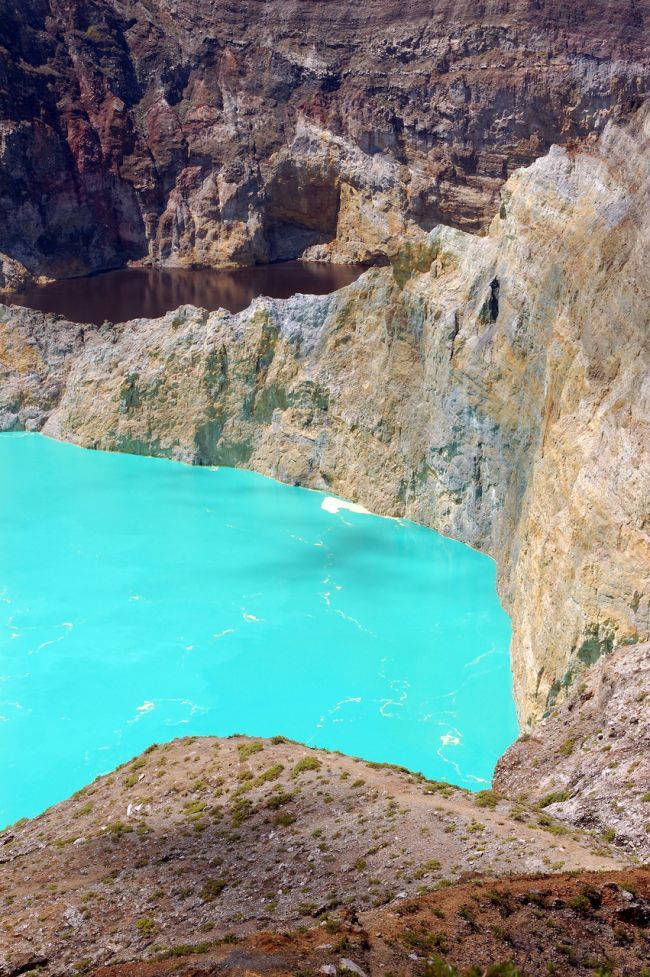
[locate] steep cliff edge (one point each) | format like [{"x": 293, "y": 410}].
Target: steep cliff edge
[
  {"x": 495, "y": 388},
  {"x": 221, "y": 132}
]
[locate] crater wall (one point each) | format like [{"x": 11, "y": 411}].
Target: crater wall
[
  {"x": 494, "y": 388},
  {"x": 240, "y": 132}
]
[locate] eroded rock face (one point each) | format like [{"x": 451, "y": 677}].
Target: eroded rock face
[
  {"x": 588, "y": 763},
  {"x": 493, "y": 387},
  {"x": 234, "y": 132}
]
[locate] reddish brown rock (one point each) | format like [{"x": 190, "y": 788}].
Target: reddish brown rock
[{"x": 221, "y": 132}]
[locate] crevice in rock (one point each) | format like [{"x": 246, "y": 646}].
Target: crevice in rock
[
  {"x": 302, "y": 209},
  {"x": 494, "y": 299}
]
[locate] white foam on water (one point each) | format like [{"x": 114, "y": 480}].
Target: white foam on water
[
  {"x": 331, "y": 504},
  {"x": 479, "y": 658},
  {"x": 353, "y": 620},
  {"x": 449, "y": 739},
  {"x": 146, "y": 706}
]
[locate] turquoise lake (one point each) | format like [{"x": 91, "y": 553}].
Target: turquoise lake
[{"x": 141, "y": 599}]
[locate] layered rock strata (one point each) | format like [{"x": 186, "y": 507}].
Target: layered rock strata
[
  {"x": 495, "y": 388},
  {"x": 240, "y": 132}
]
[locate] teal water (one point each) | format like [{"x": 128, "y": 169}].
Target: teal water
[{"x": 142, "y": 600}]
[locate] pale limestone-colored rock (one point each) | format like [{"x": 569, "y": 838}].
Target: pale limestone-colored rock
[
  {"x": 13, "y": 275},
  {"x": 494, "y": 388}
]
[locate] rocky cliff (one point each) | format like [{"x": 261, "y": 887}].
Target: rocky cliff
[
  {"x": 492, "y": 387},
  {"x": 235, "y": 132},
  {"x": 588, "y": 762}
]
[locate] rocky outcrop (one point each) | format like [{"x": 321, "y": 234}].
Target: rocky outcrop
[
  {"x": 492, "y": 387},
  {"x": 13, "y": 275},
  {"x": 199, "y": 838},
  {"x": 588, "y": 763},
  {"x": 220, "y": 132}
]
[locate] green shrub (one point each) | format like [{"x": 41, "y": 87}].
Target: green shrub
[
  {"x": 424, "y": 941},
  {"x": 283, "y": 820},
  {"x": 305, "y": 764},
  {"x": 246, "y": 750},
  {"x": 277, "y": 800},
  {"x": 84, "y": 809},
  {"x": 145, "y": 926},
  {"x": 272, "y": 773},
  {"x": 487, "y": 798},
  {"x": 554, "y": 798},
  {"x": 118, "y": 828},
  {"x": 212, "y": 888}
]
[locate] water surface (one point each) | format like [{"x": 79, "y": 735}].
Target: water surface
[
  {"x": 132, "y": 293},
  {"x": 142, "y": 599}
]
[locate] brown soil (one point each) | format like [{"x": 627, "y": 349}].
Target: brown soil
[
  {"x": 588, "y": 924},
  {"x": 203, "y": 839}
]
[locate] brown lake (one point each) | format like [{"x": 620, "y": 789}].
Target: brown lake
[{"x": 132, "y": 293}]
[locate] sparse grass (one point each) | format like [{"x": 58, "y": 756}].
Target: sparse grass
[
  {"x": 271, "y": 773},
  {"x": 580, "y": 903},
  {"x": 247, "y": 750},
  {"x": 84, "y": 809},
  {"x": 518, "y": 813},
  {"x": 118, "y": 828},
  {"x": 188, "y": 949},
  {"x": 499, "y": 898},
  {"x": 566, "y": 748},
  {"x": 240, "y": 811},
  {"x": 212, "y": 888},
  {"x": 193, "y": 809},
  {"x": 548, "y": 824},
  {"x": 432, "y": 865},
  {"x": 437, "y": 967},
  {"x": 277, "y": 800},
  {"x": 424, "y": 941},
  {"x": 145, "y": 926},
  {"x": 305, "y": 764},
  {"x": 556, "y": 797},
  {"x": 283, "y": 820},
  {"x": 243, "y": 788},
  {"x": 487, "y": 798},
  {"x": 439, "y": 787}
]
